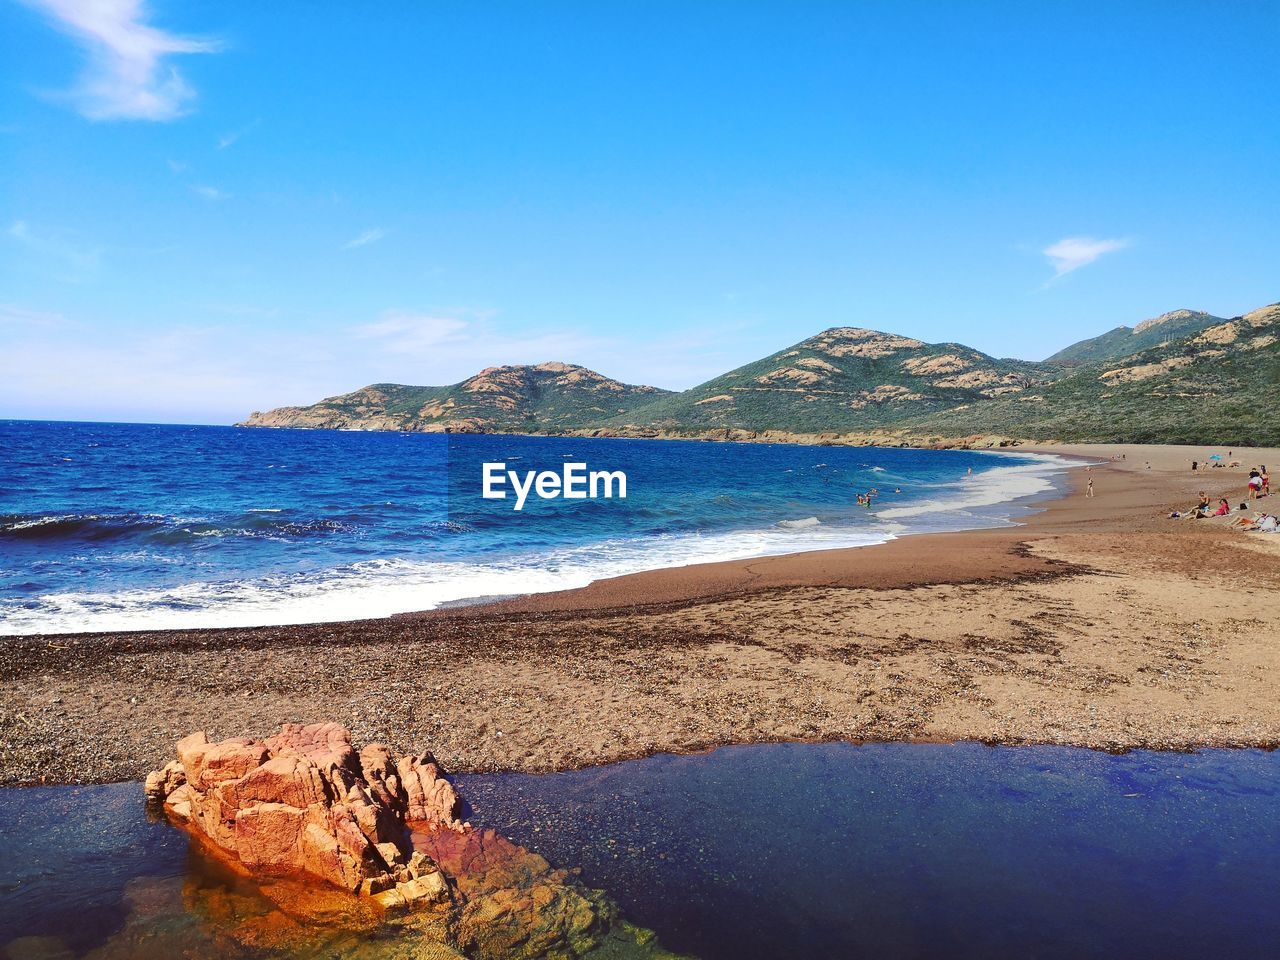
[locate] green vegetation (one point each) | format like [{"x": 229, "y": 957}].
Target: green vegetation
[
  {"x": 546, "y": 397},
  {"x": 1126, "y": 341},
  {"x": 845, "y": 378},
  {"x": 1194, "y": 379},
  {"x": 1220, "y": 385}
]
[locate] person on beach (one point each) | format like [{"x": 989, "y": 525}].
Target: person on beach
[
  {"x": 1224, "y": 508},
  {"x": 1266, "y": 481},
  {"x": 1255, "y": 483},
  {"x": 1088, "y": 491},
  {"x": 1203, "y": 505}
]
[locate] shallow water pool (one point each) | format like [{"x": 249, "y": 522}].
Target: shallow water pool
[{"x": 885, "y": 851}]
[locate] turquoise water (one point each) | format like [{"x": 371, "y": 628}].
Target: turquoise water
[
  {"x": 888, "y": 851},
  {"x": 128, "y": 526}
]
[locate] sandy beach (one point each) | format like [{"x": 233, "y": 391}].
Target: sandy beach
[{"x": 1100, "y": 622}]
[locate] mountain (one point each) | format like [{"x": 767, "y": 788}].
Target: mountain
[
  {"x": 1125, "y": 341},
  {"x": 1192, "y": 378},
  {"x": 845, "y": 378},
  {"x": 548, "y": 396},
  {"x": 1220, "y": 385}
]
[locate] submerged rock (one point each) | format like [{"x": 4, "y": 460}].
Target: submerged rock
[
  {"x": 304, "y": 802},
  {"x": 401, "y": 875}
]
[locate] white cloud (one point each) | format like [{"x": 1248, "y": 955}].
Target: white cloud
[
  {"x": 211, "y": 193},
  {"x": 62, "y": 258},
  {"x": 227, "y": 139},
  {"x": 450, "y": 345},
  {"x": 128, "y": 76},
  {"x": 365, "y": 237},
  {"x": 404, "y": 332},
  {"x": 1072, "y": 253}
]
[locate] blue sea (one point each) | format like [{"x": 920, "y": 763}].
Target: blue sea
[{"x": 128, "y": 526}]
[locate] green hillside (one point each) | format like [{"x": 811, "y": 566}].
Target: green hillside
[
  {"x": 1196, "y": 379},
  {"x": 1126, "y": 341},
  {"x": 845, "y": 378},
  {"x": 549, "y": 396},
  {"x": 1219, "y": 385}
]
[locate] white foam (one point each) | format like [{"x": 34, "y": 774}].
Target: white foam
[
  {"x": 985, "y": 489},
  {"x": 380, "y": 588}
]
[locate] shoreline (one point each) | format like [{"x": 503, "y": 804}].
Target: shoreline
[
  {"x": 1004, "y": 486},
  {"x": 1004, "y": 636}
]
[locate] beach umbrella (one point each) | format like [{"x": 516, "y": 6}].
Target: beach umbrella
[{"x": 1216, "y": 456}]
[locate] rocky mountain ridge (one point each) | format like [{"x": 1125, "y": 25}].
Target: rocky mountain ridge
[
  {"x": 1196, "y": 376},
  {"x": 1125, "y": 341},
  {"x": 545, "y": 396}
]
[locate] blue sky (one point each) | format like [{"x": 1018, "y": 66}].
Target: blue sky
[{"x": 208, "y": 208}]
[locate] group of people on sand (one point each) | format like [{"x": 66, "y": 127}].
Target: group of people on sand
[
  {"x": 1259, "y": 482},
  {"x": 1259, "y": 486}
]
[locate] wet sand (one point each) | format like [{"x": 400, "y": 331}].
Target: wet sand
[{"x": 1100, "y": 623}]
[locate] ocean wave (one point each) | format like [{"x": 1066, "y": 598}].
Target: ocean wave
[
  {"x": 987, "y": 488},
  {"x": 161, "y": 528},
  {"x": 388, "y": 586},
  {"x": 799, "y": 524},
  {"x": 83, "y": 526},
  {"x": 442, "y": 558}
]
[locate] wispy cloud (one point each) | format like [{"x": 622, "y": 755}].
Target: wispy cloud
[
  {"x": 243, "y": 310},
  {"x": 63, "y": 258},
  {"x": 128, "y": 76},
  {"x": 1072, "y": 253},
  {"x": 211, "y": 193},
  {"x": 23, "y": 317},
  {"x": 405, "y": 332},
  {"x": 364, "y": 238},
  {"x": 202, "y": 373},
  {"x": 227, "y": 139},
  {"x": 447, "y": 345}
]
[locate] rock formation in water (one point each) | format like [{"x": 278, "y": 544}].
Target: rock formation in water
[
  {"x": 306, "y": 806},
  {"x": 305, "y": 802}
]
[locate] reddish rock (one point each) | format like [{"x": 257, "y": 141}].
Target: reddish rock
[
  {"x": 305, "y": 802},
  {"x": 306, "y": 805},
  {"x": 429, "y": 798}
]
